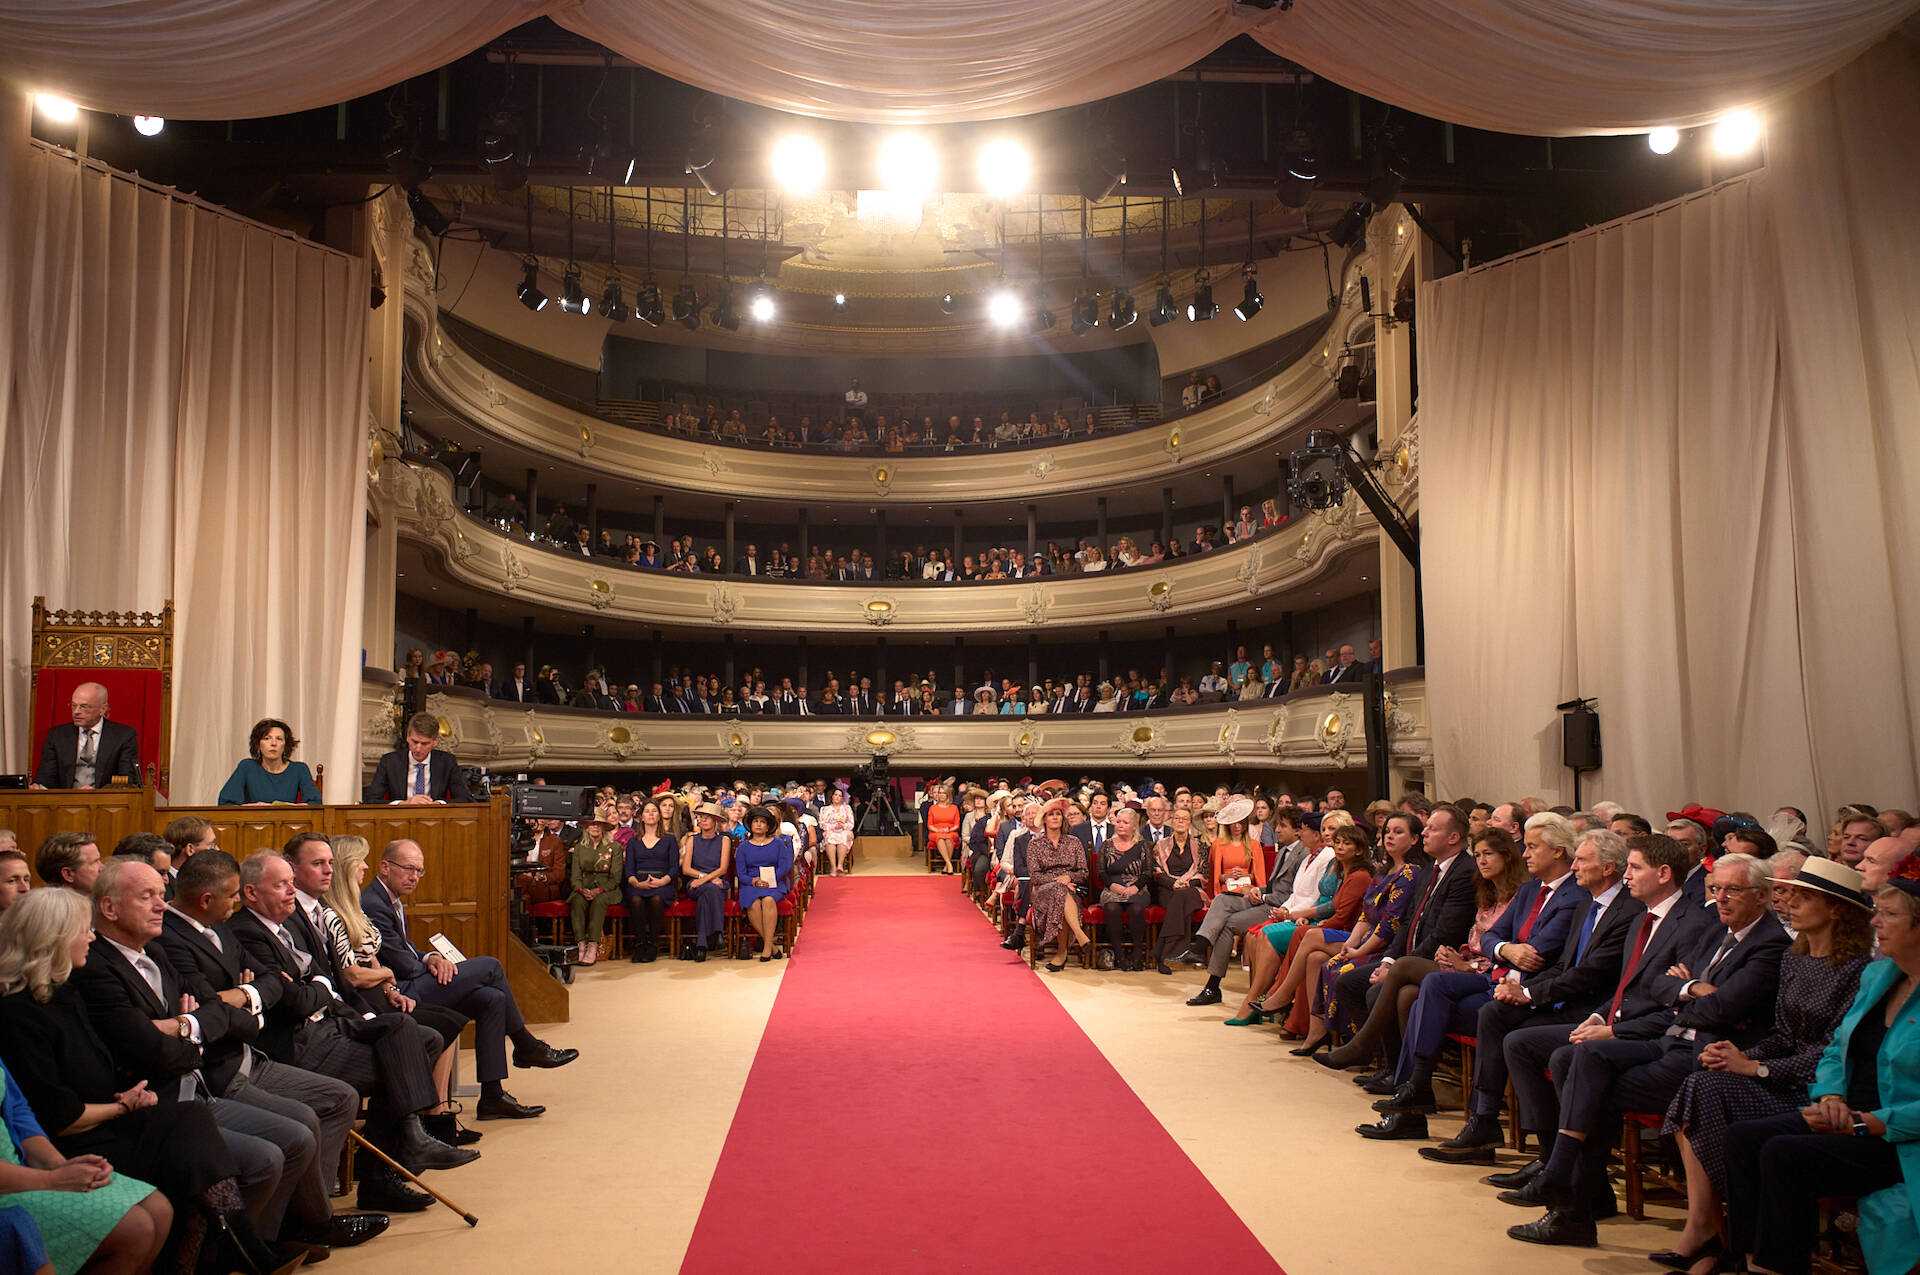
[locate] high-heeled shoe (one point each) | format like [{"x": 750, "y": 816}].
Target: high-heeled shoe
[
  {"x": 1249, "y": 1016},
  {"x": 1673, "y": 1259},
  {"x": 1312, "y": 1047},
  {"x": 1056, "y": 968}
]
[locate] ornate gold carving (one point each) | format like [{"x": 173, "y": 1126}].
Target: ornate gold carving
[
  {"x": 1024, "y": 743},
  {"x": 1141, "y": 740},
  {"x": 882, "y": 479},
  {"x": 725, "y": 605},
  {"x": 1250, "y": 570},
  {"x": 1035, "y": 605},
  {"x": 619, "y": 740},
  {"x": 600, "y": 593},
  {"x": 1335, "y": 730},
  {"x": 1043, "y": 464},
  {"x": 879, "y": 611},
  {"x": 1160, "y": 594}
]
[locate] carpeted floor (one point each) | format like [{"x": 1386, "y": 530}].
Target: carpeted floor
[{"x": 920, "y": 1102}]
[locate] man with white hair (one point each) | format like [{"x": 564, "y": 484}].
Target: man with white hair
[{"x": 90, "y": 751}]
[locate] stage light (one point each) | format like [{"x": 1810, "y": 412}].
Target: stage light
[
  {"x": 427, "y": 214},
  {"x": 1042, "y": 318},
  {"x": 839, "y": 303},
  {"x": 799, "y": 165},
  {"x": 529, "y": 290},
  {"x": 760, "y": 302},
  {"x": 56, "y": 109},
  {"x": 1250, "y": 299},
  {"x": 1352, "y": 224},
  {"x": 1299, "y": 170},
  {"x": 1163, "y": 311},
  {"x": 1662, "y": 140},
  {"x": 1086, "y": 313},
  {"x": 502, "y": 149},
  {"x": 647, "y": 307},
  {"x": 573, "y": 297},
  {"x": 1316, "y": 473},
  {"x": 948, "y": 303},
  {"x": 908, "y": 165},
  {"x": 1122, "y": 313},
  {"x": 613, "y": 302},
  {"x": 725, "y": 317},
  {"x": 1347, "y": 384},
  {"x": 1005, "y": 168},
  {"x": 149, "y": 125},
  {"x": 1737, "y": 133},
  {"x": 686, "y": 306},
  {"x": 1003, "y": 307},
  {"x": 1203, "y": 306},
  {"x": 1104, "y": 168}
]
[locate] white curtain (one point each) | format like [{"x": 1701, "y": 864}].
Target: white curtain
[
  {"x": 185, "y": 391},
  {"x": 1546, "y": 67},
  {"x": 1664, "y": 463}
]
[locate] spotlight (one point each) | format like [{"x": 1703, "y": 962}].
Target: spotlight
[
  {"x": 1348, "y": 382},
  {"x": 613, "y": 303},
  {"x": 573, "y": 298},
  {"x": 149, "y": 125},
  {"x": 1105, "y": 168},
  {"x": 1003, "y": 308},
  {"x": 1203, "y": 306},
  {"x": 725, "y": 317},
  {"x": 799, "y": 165},
  {"x": 1250, "y": 299},
  {"x": 1662, "y": 140},
  {"x": 1737, "y": 133},
  {"x": 1389, "y": 172},
  {"x": 529, "y": 290},
  {"x": 57, "y": 110},
  {"x": 686, "y": 306},
  {"x": 839, "y": 303},
  {"x": 1163, "y": 311},
  {"x": 1005, "y": 168},
  {"x": 502, "y": 149},
  {"x": 1122, "y": 314},
  {"x": 427, "y": 214},
  {"x": 1352, "y": 224},
  {"x": 1299, "y": 170},
  {"x": 1086, "y": 313},
  {"x": 647, "y": 307},
  {"x": 908, "y": 165},
  {"x": 1316, "y": 473},
  {"x": 947, "y": 303},
  {"x": 760, "y": 302},
  {"x": 1042, "y": 318}
]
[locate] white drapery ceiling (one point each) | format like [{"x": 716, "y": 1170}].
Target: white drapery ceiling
[{"x": 1555, "y": 67}]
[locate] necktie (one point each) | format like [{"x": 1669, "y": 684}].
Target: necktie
[
  {"x": 301, "y": 960},
  {"x": 150, "y": 972},
  {"x": 1526, "y": 926},
  {"x": 1633, "y": 963},
  {"x": 1720, "y": 953},
  {"x": 419, "y": 778},
  {"x": 83, "y": 767},
  {"x": 1586, "y": 933},
  {"x": 1413, "y": 923}
]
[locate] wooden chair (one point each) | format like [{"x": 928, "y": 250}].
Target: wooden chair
[
  {"x": 1667, "y": 1180},
  {"x": 130, "y": 654}
]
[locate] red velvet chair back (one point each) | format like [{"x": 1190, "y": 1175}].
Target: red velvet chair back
[{"x": 131, "y": 655}]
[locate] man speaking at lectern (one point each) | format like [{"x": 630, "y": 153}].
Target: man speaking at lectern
[{"x": 419, "y": 773}]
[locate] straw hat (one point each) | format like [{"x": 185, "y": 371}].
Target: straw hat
[
  {"x": 708, "y": 808},
  {"x": 1833, "y": 879},
  {"x": 1236, "y": 811}
]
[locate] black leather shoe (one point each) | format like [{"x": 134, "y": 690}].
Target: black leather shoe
[
  {"x": 420, "y": 1150},
  {"x": 505, "y": 1108},
  {"x": 1410, "y": 1097},
  {"x": 1474, "y": 1143},
  {"x": 1192, "y": 956},
  {"x": 1531, "y": 1196},
  {"x": 387, "y": 1192},
  {"x": 1016, "y": 939},
  {"x": 1380, "y": 1083},
  {"x": 1205, "y": 996},
  {"x": 699, "y": 955},
  {"x": 449, "y": 1130},
  {"x": 349, "y": 1229},
  {"x": 1517, "y": 1178},
  {"x": 1161, "y": 967},
  {"x": 541, "y": 1054},
  {"x": 1400, "y": 1126},
  {"x": 1557, "y": 1228}
]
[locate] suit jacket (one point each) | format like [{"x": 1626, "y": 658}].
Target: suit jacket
[
  {"x": 118, "y": 753},
  {"x": 1694, "y": 887},
  {"x": 397, "y": 952},
  {"x": 301, "y": 996},
  {"x": 1344, "y": 673},
  {"x": 521, "y": 694},
  {"x": 1447, "y": 918},
  {"x": 861, "y": 703},
  {"x": 1580, "y": 980},
  {"x": 393, "y": 778},
  {"x": 1550, "y": 928},
  {"x": 1677, "y": 934},
  {"x": 546, "y": 691},
  {"x": 1746, "y": 985},
  {"x": 121, "y": 1005},
  {"x": 745, "y": 566},
  {"x": 205, "y": 971}
]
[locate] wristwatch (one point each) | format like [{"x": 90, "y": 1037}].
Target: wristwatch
[
  {"x": 186, "y": 1027},
  {"x": 1761, "y": 1071}
]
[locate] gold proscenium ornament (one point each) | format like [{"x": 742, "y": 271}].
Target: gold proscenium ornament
[
  {"x": 446, "y": 728},
  {"x": 1330, "y": 725},
  {"x": 620, "y": 735},
  {"x": 602, "y": 587},
  {"x": 737, "y": 740},
  {"x": 881, "y": 738},
  {"x": 880, "y": 606},
  {"x": 1142, "y": 734}
]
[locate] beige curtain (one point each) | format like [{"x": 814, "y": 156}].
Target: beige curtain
[
  {"x": 1547, "y": 66},
  {"x": 183, "y": 419},
  {"x": 1663, "y": 467}
]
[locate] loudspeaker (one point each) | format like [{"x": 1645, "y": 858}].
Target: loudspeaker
[{"x": 1580, "y": 739}]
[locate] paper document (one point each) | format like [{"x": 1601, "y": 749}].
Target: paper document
[{"x": 444, "y": 945}]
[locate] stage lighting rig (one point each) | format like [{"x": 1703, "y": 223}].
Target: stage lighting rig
[
  {"x": 529, "y": 289},
  {"x": 1203, "y": 306},
  {"x": 1319, "y": 474},
  {"x": 1164, "y": 311}
]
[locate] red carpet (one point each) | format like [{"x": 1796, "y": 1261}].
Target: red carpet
[{"x": 920, "y": 1102}]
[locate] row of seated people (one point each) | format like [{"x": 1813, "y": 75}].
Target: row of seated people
[
  {"x": 688, "y": 692},
  {"x": 878, "y": 431},
  {"x": 186, "y": 1040},
  {"x": 1612, "y": 972},
  {"x": 995, "y": 563}
]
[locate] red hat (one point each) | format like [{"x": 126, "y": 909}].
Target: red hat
[
  {"x": 1705, "y": 816},
  {"x": 663, "y": 787}
]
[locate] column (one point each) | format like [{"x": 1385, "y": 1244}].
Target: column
[
  {"x": 1100, "y": 522},
  {"x": 726, "y": 562},
  {"x": 593, "y": 512},
  {"x": 803, "y": 539},
  {"x": 1393, "y": 355},
  {"x": 381, "y": 580},
  {"x": 1227, "y": 510},
  {"x": 959, "y": 651},
  {"x": 881, "y": 686},
  {"x": 726, "y": 647},
  {"x": 533, "y": 497},
  {"x": 660, "y": 520},
  {"x": 526, "y": 648},
  {"x": 958, "y": 537},
  {"x": 657, "y": 670},
  {"x": 471, "y": 630},
  {"x": 1104, "y": 671},
  {"x": 386, "y": 348},
  {"x": 1033, "y": 659},
  {"x": 1166, "y": 515},
  {"x": 1033, "y": 528},
  {"x": 880, "y": 543},
  {"x": 586, "y": 631},
  {"x": 800, "y": 651},
  {"x": 1166, "y": 656}
]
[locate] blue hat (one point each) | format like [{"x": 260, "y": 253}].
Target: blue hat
[{"x": 1310, "y": 819}]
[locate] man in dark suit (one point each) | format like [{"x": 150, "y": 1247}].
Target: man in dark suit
[
  {"x": 1720, "y": 984},
  {"x": 418, "y": 774},
  {"x": 318, "y": 1025},
  {"x": 593, "y": 695},
  {"x": 861, "y": 702},
  {"x": 1543, "y": 1001},
  {"x": 515, "y": 687},
  {"x": 788, "y": 702},
  {"x": 1441, "y": 916},
  {"x": 1344, "y": 669},
  {"x": 214, "y": 966},
  {"x": 477, "y": 986},
  {"x": 1097, "y": 828},
  {"x": 1526, "y": 938},
  {"x": 748, "y": 563},
  {"x": 186, "y": 1051},
  {"x": 90, "y": 751},
  {"x": 1375, "y": 663}
]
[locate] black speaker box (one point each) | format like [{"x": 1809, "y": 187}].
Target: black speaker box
[{"x": 1580, "y": 739}]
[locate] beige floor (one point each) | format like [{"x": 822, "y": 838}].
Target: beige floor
[{"x": 617, "y": 1169}]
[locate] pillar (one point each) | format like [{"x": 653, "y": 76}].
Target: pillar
[
  {"x": 803, "y": 540},
  {"x": 1033, "y": 529},
  {"x": 1033, "y": 659},
  {"x": 1166, "y": 655},
  {"x": 726, "y": 538},
  {"x": 1100, "y": 522},
  {"x": 726, "y": 647},
  {"x": 1393, "y": 355},
  {"x": 1227, "y": 511},
  {"x": 533, "y": 497},
  {"x": 959, "y": 521},
  {"x": 657, "y": 670},
  {"x": 1104, "y": 670},
  {"x": 959, "y": 652},
  {"x": 882, "y": 687},
  {"x": 1166, "y": 516},
  {"x": 380, "y": 582},
  {"x": 470, "y": 633},
  {"x": 386, "y": 347},
  {"x": 526, "y": 650},
  {"x": 586, "y": 631},
  {"x": 880, "y": 542},
  {"x": 660, "y": 520},
  {"x": 593, "y": 512}
]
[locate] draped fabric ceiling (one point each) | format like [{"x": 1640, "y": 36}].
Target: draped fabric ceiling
[{"x": 1556, "y": 67}]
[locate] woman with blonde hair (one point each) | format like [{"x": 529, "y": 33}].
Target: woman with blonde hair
[{"x": 943, "y": 828}]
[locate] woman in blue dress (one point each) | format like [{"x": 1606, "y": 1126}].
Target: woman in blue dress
[
  {"x": 269, "y": 774},
  {"x": 652, "y": 862},
  {"x": 766, "y": 871},
  {"x": 704, "y": 859}
]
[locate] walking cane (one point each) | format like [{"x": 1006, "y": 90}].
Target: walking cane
[{"x": 402, "y": 1170}]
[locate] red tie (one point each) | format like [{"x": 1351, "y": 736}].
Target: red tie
[
  {"x": 1526, "y": 926},
  {"x": 1413, "y": 924},
  {"x": 1633, "y": 963}
]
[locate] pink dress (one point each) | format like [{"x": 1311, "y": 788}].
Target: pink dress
[{"x": 836, "y": 823}]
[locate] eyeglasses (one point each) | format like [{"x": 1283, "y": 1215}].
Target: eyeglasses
[
  {"x": 1726, "y": 891},
  {"x": 404, "y": 870}
]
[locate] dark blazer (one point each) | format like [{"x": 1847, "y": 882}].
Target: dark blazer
[
  {"x": 1678, "y": 934},
  {"x": 1746, "y": 986},
  {"x": 1580, "y": 983},
  {"x": 1550, "y": 928},
  {"x": 546, "y": 691},
  {"x": 1343, "y": 673},
  {"x": 392, "y": 778},
  {"x": 1694, "y": 887},
  {"x": 121, "y": 1005},
  {"x": 397, "y": 952},
  {"x": 861, "y": 703},
  {"x": 1447, "y": 918},
  {"x": 522, "y": 694},
  {"x": 205, "y": 971},
  {"x": 300, "y": 996},
  {"x": 118, "y": 754}
]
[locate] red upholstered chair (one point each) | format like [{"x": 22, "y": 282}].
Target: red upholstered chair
[
  {"x": 129, "y": 654},
  {"x": 555, "y": 914},
  {"x": 679, "y": 912},
  {"x": 617, "y": 915}
]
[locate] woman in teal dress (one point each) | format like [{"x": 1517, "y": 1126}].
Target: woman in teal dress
[
  {"x": 83, "y": 1210},
  {"x": 764, "y": 851},
  {"x": 269, "y": 774}
]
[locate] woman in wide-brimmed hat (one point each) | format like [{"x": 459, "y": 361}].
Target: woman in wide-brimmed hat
[{"x": 704, "y": 860}]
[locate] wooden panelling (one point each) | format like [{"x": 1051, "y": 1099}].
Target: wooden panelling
[{"x": 108, "y": 813}]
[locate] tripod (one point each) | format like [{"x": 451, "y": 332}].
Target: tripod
[{"x": 879, "y": 804}]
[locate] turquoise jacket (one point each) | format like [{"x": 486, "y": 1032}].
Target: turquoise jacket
[{"x": 1888, "y": 1232}]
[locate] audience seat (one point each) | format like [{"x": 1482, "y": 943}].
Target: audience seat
[
  {"x": 1666, "y": 1180},
  {"x": 617, "y": 915},
  {"x": 556, "y": 915}
]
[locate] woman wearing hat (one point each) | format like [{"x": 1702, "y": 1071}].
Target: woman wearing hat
[
  {"x": 1856, "y": 1136},
  {"x": 1056, "y": 870},
  {"x": 765, "y": 873},
  {"x": 704, "y": 858},
  {"x": 648, "y": 869},
  {"x": 594, "y": 875}
]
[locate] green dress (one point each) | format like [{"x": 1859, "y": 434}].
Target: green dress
[{"x": 72, "y": 1223}]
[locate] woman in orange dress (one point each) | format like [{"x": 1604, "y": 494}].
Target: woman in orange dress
[{"x": 943, "y": 827}]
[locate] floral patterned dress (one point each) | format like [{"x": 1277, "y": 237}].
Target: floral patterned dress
[
  {"x": 1386, "y": 908},
  {"x": 1047, "y": 861}
]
